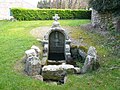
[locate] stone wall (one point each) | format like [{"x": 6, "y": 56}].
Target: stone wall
[
  {"x": 95, "y": 18},
  {"x": 103, "y": 20}
]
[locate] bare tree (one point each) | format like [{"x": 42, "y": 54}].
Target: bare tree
[
  {"x": 74, "y": 6},
  {"x": 70, "y": 4},
  {"x": 63, "y": 4}
]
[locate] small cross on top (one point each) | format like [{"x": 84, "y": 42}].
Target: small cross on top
[{"x": 56, "y": 17}]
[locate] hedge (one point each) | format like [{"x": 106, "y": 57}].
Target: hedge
[{"x": 47, "y": 14}]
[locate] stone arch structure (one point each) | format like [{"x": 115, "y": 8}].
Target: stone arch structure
[
  {"x": 56, "y": 48},
  {"x": 56, "y": 43}
]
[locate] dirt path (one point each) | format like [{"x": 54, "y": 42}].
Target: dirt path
[{"x": 41, "y": 31}]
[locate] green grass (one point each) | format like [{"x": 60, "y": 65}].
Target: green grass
[{"x": 15, "y": 38}]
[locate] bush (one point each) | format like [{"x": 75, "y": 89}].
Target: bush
[
  {"x": 47, "y": 14},
  {"x": 81, "y": 14}
]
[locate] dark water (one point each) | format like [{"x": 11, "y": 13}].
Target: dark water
[{"x": 56, "y": 56}]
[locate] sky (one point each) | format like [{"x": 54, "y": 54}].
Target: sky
[{"x": 33, "y": 2}]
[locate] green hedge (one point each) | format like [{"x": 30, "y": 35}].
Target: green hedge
[{"x": 47, "y": 14}]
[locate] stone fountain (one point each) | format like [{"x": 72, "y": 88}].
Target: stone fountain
[
  {"x": 55, "y": 55},
  {"x": 56, "y": 43}
]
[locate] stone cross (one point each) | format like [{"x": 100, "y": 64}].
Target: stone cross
[{"x": 56, "y": 17}]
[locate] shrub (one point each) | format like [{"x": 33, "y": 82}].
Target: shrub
[
  {"x": 81, "y": 14},
  {"x": 47, "y": 14}
]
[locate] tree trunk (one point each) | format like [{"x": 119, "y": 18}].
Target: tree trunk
[
  {"x": 70, "y": 4},
  {"x": 63, "y": 4},
  {"x": 50, "y": 3},
  {"x": 118, "y": 25}
]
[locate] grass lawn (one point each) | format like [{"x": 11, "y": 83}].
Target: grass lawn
[{"x": 15, "y": 38}]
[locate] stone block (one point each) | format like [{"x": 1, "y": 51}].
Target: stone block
[
  {"x": 90, "y": 61},
  {"x": 33, "y": 66},
  {"x": 77, "y": 70},
  {"x": 44, "y": 61},
  {"x": 88, "y": 64},
  {"x": 68, "y": 68},
  {"x": 53, "y": 72},
  {"x": 30, "y": 52},
  {"x": 37, "y": 50},
  {"x": 38, "y": 77}
]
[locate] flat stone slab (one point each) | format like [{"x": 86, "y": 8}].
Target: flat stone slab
[
  {"x": 57, "y": 72},
  {"x": 53, "y": 72},
  {"x": 52, "y": 62}
]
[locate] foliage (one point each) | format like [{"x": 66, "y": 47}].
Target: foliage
[
  {"x": 46, "y": 14},
  {"x": 103, "y": 6},
  {"x": 83, "y": 48},
  {"x": 81, "y": 14},
  {"x": 113, "y": 41}
]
